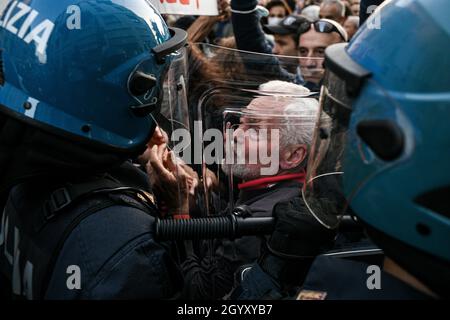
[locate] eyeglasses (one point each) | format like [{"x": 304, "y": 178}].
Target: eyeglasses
[{"x": 321, "y": 26}]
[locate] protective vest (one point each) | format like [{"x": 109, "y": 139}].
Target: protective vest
[{"x": 34, "y": 230}]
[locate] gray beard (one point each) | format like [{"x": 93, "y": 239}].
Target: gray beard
[{"x": 243, "y": 171}]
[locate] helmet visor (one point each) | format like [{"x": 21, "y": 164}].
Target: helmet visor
[{"x": 323, "y": 191}]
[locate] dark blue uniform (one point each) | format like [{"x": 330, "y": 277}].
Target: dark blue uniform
[
  {"x": 111, "y": 250},
  {"x": 329, "y": 278},
  {"x": 333, "y": 278}
]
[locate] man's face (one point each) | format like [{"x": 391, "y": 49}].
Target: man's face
[
  {"x": 285, "y": 46},
  {"x": 261, "y": 136},
  {"x": 312, "y": 47},
  {"x": 332, "y": 12},
  {"x": 350, "y": 27},
  {"x": 277, "y": 12},
  {"x": 355, "y": 7},
  {"x": 254, "y": 135}
]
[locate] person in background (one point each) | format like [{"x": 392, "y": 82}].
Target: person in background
[
  {"x": 286, "y": 38},
  {"x": 348, "y": 10},
  {"x": 199, "y": 29},
  {"x": 299, "y": 5},
  {"x": 311, "y": 12},
  {"x": 223, "y": 28},
  {"x": 333, "y": 10},
  {"x": 206, "y": 28},
  {"x": 355, "y": 6},
  {"x": 246, "y": 19},
  {"x": 314, "y": 39},
  {"x": 278, "y": 9},
  {"x": 351, "y": 25}
]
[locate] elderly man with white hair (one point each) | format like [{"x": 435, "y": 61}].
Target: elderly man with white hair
[
  {"x": 279, "y": 107},
  {"x": 289, "y": 123}
]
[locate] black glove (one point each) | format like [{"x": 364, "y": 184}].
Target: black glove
[{"x": 297, "y": 239}]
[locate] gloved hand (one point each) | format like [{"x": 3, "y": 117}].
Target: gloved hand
[{"x": 297, "y": 239}]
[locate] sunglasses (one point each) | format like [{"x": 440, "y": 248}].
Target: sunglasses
[{"x": 322, "y": 27}]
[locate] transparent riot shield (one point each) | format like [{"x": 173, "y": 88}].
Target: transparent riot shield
[
  {"x": 221, "y": 78},
  {"x": 322, "y": 193},
  {"x": 234, "y": 79},
  {"x": 215, "y": 65},
  {"x": 266, "y": 147},
  {"x": 174, "y": 112}
]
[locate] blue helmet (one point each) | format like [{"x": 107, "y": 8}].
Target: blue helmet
[
  {"x": 382, "y": 146},
  {"x": 89, "y": 71}
]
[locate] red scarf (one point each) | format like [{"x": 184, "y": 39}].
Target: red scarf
[{"x": 262, "y": 183}]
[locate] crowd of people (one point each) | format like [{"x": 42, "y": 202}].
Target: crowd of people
[{"x": 293, "y": 112}]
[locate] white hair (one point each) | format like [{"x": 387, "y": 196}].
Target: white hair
[
  {"x": 283, "y": 87},
  {"x": 301, "y": 116},
  {"x": 312, "y": 12},
  {"x": 337, "y": 3},
  {"x": 300, "y": 113},
  {"x": 354, "y": 20}
]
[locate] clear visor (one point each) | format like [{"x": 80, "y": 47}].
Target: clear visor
[
  {"x": 323, "y": 192},
  {"x": 175, "y": 98},
  {"x": 168, "y": 103},
  {"x": 329, "y": 190},
  {"x": 167, "y": 99}
]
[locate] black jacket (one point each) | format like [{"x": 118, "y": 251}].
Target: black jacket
[{"x": 211, "y": 276}]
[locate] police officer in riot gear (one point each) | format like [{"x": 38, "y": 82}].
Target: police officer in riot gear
[
  {"x": 379, "y": 152},
  {"x": 81, "y": 85}
]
